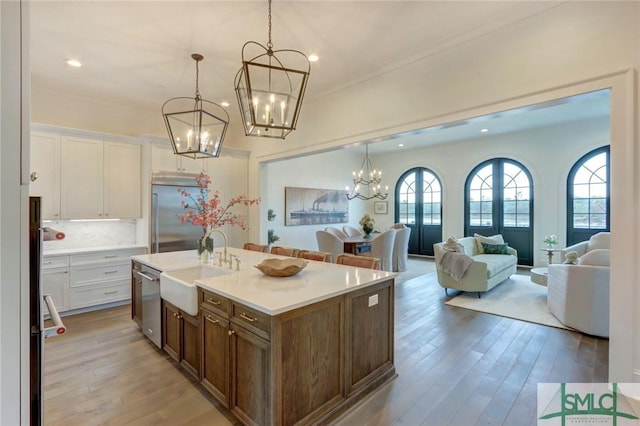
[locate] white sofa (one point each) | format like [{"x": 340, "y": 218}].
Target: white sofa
[
  {"x": 578, "y": 295},
  {"x": 485, "y": 272}
]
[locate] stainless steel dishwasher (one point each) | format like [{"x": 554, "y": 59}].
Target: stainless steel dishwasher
[{"x": 151, "y": 308}]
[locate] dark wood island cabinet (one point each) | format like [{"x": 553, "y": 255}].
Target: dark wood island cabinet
[{"x": 304, "y": 364}]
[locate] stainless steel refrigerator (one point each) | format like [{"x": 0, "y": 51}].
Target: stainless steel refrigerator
[
  {"x": 37, "y": 299},
  {"x": 167, "y": 233}
]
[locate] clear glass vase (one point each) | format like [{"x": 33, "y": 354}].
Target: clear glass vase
[{"x": 205, "y": 251}]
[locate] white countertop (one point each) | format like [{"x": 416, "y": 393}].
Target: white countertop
[{"x": 272, "y": 295}]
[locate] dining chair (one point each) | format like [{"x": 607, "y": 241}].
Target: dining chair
[
  {"x": 359, "y": 261},
  {"x": 401, "y": 250},
  {"x": 284, "y": 251},
  {"x": 256, "y": 247},
  {"x": 336, "y": 231},
  {"x": 329, "y": 243},
  {"x": 382, "y": 248},
  {"x": 314, "y": 255},
  {"x": 352, "y": 231}
]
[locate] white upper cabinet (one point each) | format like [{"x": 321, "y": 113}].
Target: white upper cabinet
[
  {"x": 163, "y": 158},
  {"x": 45, "y": 169},
  {"x": 122, "y": 184},
  {"x": 81, "y": 178},
  {"x": 99, "y": 180}
]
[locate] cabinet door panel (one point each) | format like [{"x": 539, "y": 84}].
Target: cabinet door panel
[
  {"x": 56, "y": 283},
  {"x": 190, "y": 344},
  {"x": 215, "y": 355},
  {"x": 81, "y": 178},
  {"x": 45, "y": 162},
  {"x": 122, "y": 184},
  {"x": 249, "y": 377},
  {"x": 171, "y": 330}
]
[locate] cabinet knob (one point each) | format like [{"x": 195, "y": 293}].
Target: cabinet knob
[
  {"x": 33, "y": 176},
  {"x": 231, "y": 332}
]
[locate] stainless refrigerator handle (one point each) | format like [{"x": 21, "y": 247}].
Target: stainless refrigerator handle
[
  {"x": 58, "y": 327},
  {"x": 155, "y": 244}
]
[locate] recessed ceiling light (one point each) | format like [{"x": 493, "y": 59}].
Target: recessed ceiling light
[
  {"x": 73, "y": 63},
  {"x": 224, "y": 103},
  {"x": 313, "y": 58},
  {"x": 400, "y": 145},
  {"x": 484, "y": 130}
]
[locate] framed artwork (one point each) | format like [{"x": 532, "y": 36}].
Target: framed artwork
[
  {"x": 380, "y": 207},
  {"x": 312, "y": 206}
]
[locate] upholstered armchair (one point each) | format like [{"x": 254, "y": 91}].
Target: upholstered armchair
[
  {"x": 601, "y": 240},
  {"x": 578, "y": 295}
]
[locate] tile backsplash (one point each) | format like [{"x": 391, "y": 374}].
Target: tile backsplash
[{"x": 86, "y": 234}]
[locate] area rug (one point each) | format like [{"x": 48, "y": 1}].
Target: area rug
[{"x": 516, "y": 298}]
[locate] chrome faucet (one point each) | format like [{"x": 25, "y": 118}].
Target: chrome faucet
[{"x": 226, "y": 258}]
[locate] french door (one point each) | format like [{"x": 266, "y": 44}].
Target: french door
[
  {"x": 419, "y": 206},
  {"x": 499, "y": 200}
]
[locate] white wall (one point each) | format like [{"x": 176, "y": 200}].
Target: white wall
[
  {"x": 330, "y": 170},
  {"x": 547, "y": 153},
  {"x": 14, "y": 277}
]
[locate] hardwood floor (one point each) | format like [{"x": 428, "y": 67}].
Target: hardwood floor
[{"x": 455, "y": 367}]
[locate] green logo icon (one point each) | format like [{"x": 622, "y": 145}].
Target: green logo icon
[{"x": 566, "y": 404}]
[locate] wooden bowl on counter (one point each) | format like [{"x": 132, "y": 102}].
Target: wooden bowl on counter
[{"x": 281, "y": 267}]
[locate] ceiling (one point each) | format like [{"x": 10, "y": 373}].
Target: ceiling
[{"x": 138, "y": 53}]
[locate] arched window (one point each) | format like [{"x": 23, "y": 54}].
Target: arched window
[
  {"x": 498, "y": 200},
  {"x": 588, "y": 196},
  {"x": 419, "y": 206}
]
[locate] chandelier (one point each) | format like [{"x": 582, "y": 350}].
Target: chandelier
[
  {"x": 367, "y": 177},
  {"x": 270, "y": 93},
  {"x": 195, "y": 132}
]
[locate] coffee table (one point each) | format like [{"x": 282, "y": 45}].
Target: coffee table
[{"x": 539, "y": 276}]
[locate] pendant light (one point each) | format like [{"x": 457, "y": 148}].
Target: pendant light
[
  {"x": 196, "y": 126},
  {"x": 367, "y": 180},
  {"x": 269, "y": 92}
]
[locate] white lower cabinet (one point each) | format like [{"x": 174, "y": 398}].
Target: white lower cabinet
[
  {"x": 90, "y": 279},
  {"x": 55, "y": 281}
]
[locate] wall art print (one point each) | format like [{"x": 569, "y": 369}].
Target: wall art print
[{"x": 312, "y": 206}]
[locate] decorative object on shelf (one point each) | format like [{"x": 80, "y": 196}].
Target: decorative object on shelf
[
  {"x": 367, "y": 223},
  {"x": 272, "y": 237},
  {"x": 550, "y": 241},
  {"x": 281, "y": 267},
  {"x": 209, "y": 212},
  {"x": 271, "y": 234},
  {"x": 367, "y": 177},
  {"x": 269, "y": 92},
  {"x": 194, "y": 131}
]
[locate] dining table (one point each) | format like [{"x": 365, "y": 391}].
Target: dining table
[{"x": 354, "y": 245}]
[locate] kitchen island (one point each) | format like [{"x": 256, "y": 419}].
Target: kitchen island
[{"x": 283, "y": 351}]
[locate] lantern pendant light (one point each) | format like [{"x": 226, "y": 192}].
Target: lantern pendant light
[
  {"x": 269, "y": 92},
  {"x": 196, "y": 126}
]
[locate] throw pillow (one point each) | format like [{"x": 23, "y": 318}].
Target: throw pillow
[
  {"x": 598, "y": 257},
  {"x": 453, "y": 245},
  {"x": 495, "y": 248},
  {"x": 494, "y": 239},
  {"x": 571, "y": 258}
]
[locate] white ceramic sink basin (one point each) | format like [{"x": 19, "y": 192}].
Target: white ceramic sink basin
[{"x": 178, "y": 287}]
